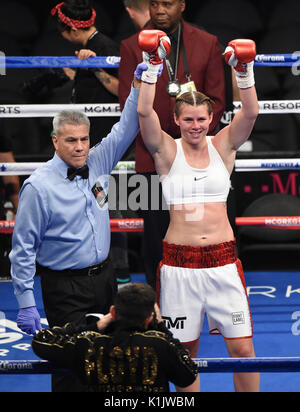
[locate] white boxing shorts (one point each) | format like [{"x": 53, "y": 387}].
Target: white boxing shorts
[{"x": 198, "y": 281}]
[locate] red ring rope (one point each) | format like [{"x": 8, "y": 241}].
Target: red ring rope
[
  {"x": 274, "y": 222},
  {"x": 137, "y": 225},
  {"x": 116, "y": 225},
  {"x": 127, "y": 225}
]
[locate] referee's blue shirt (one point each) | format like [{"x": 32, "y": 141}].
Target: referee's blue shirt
[{"x": 59, "y": 222}]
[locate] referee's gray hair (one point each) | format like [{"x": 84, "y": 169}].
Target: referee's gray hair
[{"x": 73, "y": 117}]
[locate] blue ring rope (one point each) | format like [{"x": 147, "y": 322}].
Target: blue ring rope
[
  {"x": 205, "y": 365},
  {"x": 56, "y": 62},
  {"x": 270, "y": 60}
]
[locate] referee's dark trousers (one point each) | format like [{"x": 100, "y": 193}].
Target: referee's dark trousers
[{"x": 69, "y": 295}]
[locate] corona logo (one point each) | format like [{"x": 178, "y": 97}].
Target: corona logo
[
  {"x": 113, "y": 60},
  {"x": 261, "y": 58}
]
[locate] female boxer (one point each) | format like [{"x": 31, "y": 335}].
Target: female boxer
[{"x": 200, "y": 273}]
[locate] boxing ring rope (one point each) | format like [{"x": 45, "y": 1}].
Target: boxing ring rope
[
  {"x": 242, "y": 165},
  {"x": 137, "y": 225},
  {"x": 270, "y": 60},
  {"x": 274, "y": 222},
  {"x": 205, "y": 365},
  {"x": 15, "y": 111}
]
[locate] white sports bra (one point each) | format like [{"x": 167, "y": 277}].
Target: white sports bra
[{"x": 185, "y": 184}]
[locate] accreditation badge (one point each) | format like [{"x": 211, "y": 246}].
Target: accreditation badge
[
  {"x": 187, "y": 87},
  {"x": 100, "y": 195}
]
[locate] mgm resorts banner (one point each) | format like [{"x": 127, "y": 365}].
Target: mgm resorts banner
[{"x": 113, "y": 109}]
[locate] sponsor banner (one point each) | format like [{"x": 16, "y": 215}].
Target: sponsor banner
[
  {"x": 276, "y": 60},
  {"x": 51, "y": 110},
  {"x": 113, "y": 109},
  {"x": 274, "y": 106}
]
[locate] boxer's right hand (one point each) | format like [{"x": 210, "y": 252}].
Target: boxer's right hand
[{"x": 156, "y": 46}]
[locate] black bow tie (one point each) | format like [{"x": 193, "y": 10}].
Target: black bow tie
[{"x": 82, "y": 171}]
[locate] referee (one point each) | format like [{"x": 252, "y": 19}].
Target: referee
[{"x": 62, "y": 226}]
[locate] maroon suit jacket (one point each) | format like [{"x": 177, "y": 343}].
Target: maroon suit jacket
[{"x": 207, "y": 71}]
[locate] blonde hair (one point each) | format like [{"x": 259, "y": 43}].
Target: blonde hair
[{"x": 193, "y": 99}]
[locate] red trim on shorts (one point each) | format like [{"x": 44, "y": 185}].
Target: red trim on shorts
[
  {"x": 199, "y": 257},
  {"x": 192, "y": 341}
]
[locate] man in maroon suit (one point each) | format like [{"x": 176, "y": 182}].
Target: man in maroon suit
[{"x": 195, "y": 62}]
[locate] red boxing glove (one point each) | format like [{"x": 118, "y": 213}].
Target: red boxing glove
[
  {"x": 156, "y": 44},
  {"x": 240, "y": 54}
]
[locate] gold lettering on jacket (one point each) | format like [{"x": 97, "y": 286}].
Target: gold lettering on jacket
[{"x": 123, "y": 366}]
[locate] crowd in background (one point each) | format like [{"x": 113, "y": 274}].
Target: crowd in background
[{"x": 274, "y": 25}]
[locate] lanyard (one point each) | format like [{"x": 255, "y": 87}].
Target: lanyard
[
  {"x": 180, "y": 45},
  {"x": 172, "y": 74}
]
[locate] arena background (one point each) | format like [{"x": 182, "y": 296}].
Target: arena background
[{"x": 26, "y": 29}]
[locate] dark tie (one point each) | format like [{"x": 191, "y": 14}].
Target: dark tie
[{"x": 82, "y": 171}]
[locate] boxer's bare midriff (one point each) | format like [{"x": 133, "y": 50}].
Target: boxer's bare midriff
[{"x": 199, "y": 225}]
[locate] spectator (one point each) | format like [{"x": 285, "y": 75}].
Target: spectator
[
  {"x": 138, "y": 11},
  {"x": 76, "y": 22}
]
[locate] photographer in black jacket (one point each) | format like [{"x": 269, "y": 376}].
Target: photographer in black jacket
[{"x": 128, "y": 349}]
